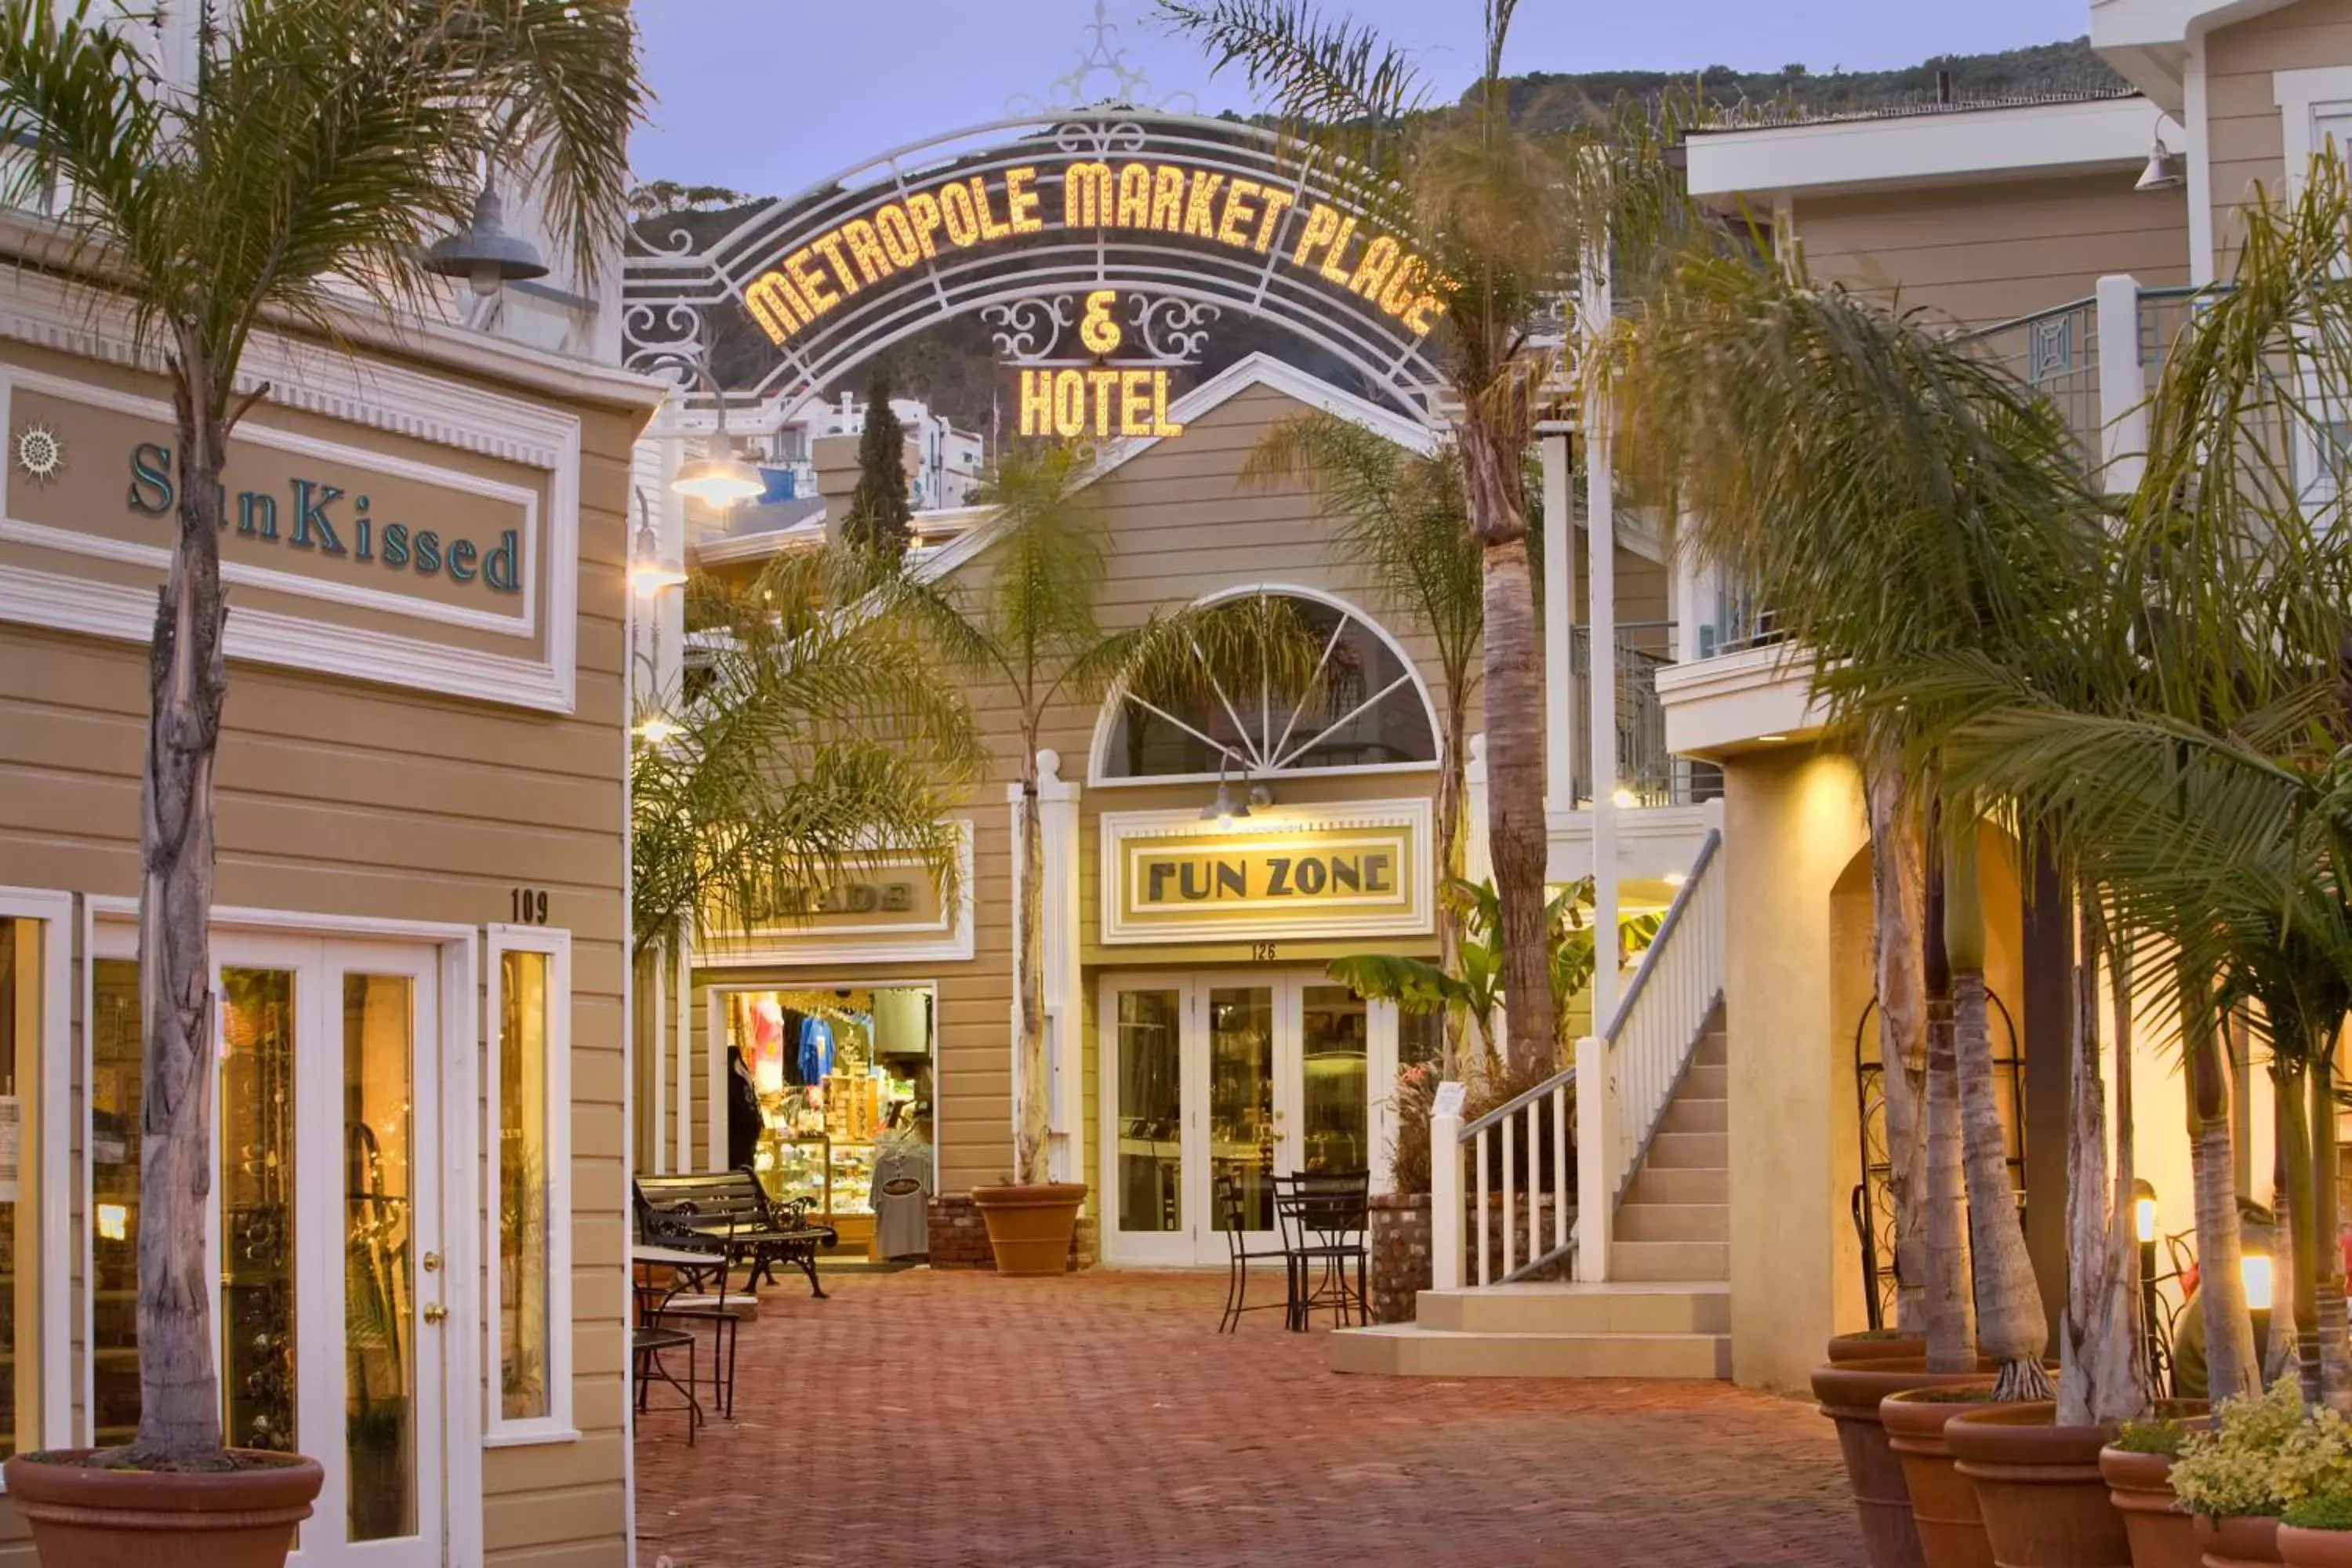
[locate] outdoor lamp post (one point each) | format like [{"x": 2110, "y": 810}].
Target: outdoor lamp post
[{"x": 719, "y": 478}]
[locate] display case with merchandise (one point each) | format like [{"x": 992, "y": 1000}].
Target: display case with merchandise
[
  {"x": 852, "y": 1178},
  {"x": 793, "y": 1169}
]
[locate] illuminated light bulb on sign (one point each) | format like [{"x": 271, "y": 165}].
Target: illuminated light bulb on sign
[
  {"x": 1096, "y": 329},
  {"x": 1102, "y": 402},
  {"x": 114, "y": 1222}
]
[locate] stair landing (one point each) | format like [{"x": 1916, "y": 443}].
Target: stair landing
[{"x": 1666, "y": 1311}]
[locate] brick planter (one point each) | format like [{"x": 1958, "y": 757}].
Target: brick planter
[
  {"x": 960, "y": 1237},
  {"x": 1399, "y": 1244}
]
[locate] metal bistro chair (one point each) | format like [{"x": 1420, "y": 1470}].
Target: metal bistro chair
[
  {"x": 1325, "y": 1220},
  {"x": 1236, "y": 1210},
  {"x": 679, "y": 1303}
]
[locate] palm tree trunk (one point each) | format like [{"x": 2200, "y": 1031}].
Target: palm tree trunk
[
  {"x": 2102, "y": 1376},
  {"x": 1948, "y": 1314},
  {"x": 2327, "y": 1247},
  {"x": 2230, "y": 1357},
  {"x": 2290, "y": 1082},
  {"x": 1033, "y": 1116},
  {"x": 2011, "y": 1326},
  {"x": 1519, "y": 837},
  {"x": 2279, "y": 1355},
  {"x": 1451, "y": 792},
  {"x": 1897, "y": 897},
  {"x": 179, "y": 1413}
]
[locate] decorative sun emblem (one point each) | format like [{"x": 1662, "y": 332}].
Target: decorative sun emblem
[{"x": 40, "y": 452}]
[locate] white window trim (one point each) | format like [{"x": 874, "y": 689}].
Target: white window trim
[
  {"x": 54, "y": 1354},
  {"x": 1098, "y": 775},
  {"x": 555, "y": 1427}
]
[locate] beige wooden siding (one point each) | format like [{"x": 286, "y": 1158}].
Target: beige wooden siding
[
  {"x": 1181, "y": 526},
  {"x": 2247, "y": 138},
  {"x": 1980, "y": 254},
  {"x": 356, "y": 800}
]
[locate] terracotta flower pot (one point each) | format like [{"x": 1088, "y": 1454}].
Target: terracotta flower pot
[
  {"x": 1850, "y": 1394},
  {"x": 2044, "y": 1502},
  {"x": 1876, "y": 1344},
  {"x": 2304, "y": 1548},
  {"x": 2237, "y": 1542},
  {"x": 2140, "y": 1486},
  {"x": 1943, "y": 1502},
  {"x": 89, "y": 1517},
  {"x": 1030, "y": 1225}
]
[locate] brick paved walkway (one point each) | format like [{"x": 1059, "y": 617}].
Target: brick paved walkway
[{"x": 954, "y": 1418}]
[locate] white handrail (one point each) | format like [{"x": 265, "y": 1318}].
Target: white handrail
[{"x": 1615, "y": 1095}]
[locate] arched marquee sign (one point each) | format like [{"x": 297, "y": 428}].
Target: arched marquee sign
[{"x": 1028, "y": 223}]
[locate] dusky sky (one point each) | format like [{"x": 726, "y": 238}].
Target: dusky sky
[{"x": 770, "y": 95}]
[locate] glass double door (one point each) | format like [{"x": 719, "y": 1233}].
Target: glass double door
[
  {"x": 325, "y": 1227},
  {"x": 1214, "y": 1084}
]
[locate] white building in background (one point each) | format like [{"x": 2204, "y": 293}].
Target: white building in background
[{"x": 944, "y": 462}]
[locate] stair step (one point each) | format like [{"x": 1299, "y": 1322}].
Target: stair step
[
  {"x": 1701, "y": 1185},
  {"x": 1690, "y": 1113},
  {"x": 1713, "y": 1050},
  {"x": 1690, "y": 1152},
  {"x": 1673, "y": 1222},
  {"x": 1617, "y": 1307},
  {"x": 1408, "y": 1350},
  {"x": 1657, "y": 1260},
  {"x": 1708, "y": 1082}
]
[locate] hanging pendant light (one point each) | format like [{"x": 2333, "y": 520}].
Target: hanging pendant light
[
  {"x": 2163, "y": 170},
  {"x": 719, "y": 478},
  {"x": 486, "y": 254},
  {"x": 1225, "y": 809}
]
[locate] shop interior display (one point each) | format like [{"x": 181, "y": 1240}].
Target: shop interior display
[{"x": 839, "y": 1077}]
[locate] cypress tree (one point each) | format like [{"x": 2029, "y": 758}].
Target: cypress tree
[{"x": 879, "y": 513}]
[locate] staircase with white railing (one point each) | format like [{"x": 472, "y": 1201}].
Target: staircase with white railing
[{"x": 1647, "y": 1101}]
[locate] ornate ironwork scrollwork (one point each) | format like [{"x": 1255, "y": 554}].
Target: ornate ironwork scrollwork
[
  {"x": 1029, "y": 331},
  {"x": 1173, "y": 329}
]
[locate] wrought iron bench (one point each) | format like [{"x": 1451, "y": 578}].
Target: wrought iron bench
[{"x": 729, "y": 1214}]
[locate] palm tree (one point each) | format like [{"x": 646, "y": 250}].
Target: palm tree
[
  {"x": 2190, "y": 742},
  {"x": 297, "y": 178},
  {"x": 1401, "y": 521},
  {"x": 1501, "y": 214},
  {"x": 1889, "y": 494},
  {"x": 812, "y": 736},
  {"x": 1033, "y": 623}
]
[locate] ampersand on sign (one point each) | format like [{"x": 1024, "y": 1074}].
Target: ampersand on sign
[{"x": 1096, "y": 329}]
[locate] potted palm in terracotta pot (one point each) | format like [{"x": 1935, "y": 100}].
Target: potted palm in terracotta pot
[{"x": 291, "y": 181}]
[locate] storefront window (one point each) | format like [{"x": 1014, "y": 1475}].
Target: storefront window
[
  {"x": 255, "y": 1191},
  {"x": 379, "y": 1266},
  {"x": 1151, "y": 1119},
  {"x": 1358, "y": 707},
  {"x": 1336, "y": 1060},
  {"x": 258, "y": 1207},
  {"x": 829, "y": 1096},
  {"x": 22, "y": 1021},
  {"x": 115, "y": 1055},
  {"x": 525, "y": 1392}
]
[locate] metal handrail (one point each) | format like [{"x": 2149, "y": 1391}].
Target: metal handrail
[
  {"x": 1683, "y": 896},
  {"x": 1518, "y": 1102},
  {"x": 2089, "y": 301}
]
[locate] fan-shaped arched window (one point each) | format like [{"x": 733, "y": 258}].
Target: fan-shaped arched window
[{"x": 1361, "y": 706}]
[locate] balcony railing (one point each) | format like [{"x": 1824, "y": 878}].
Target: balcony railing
[{"x": 1646, "y": 772}]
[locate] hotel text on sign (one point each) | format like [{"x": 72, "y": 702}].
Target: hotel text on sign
[{"x": 1093, "y": 196}]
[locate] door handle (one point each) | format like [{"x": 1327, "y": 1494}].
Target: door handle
[
  {"x": 435, "y": 1311},
  {"x": 432, "y": 1261}
]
